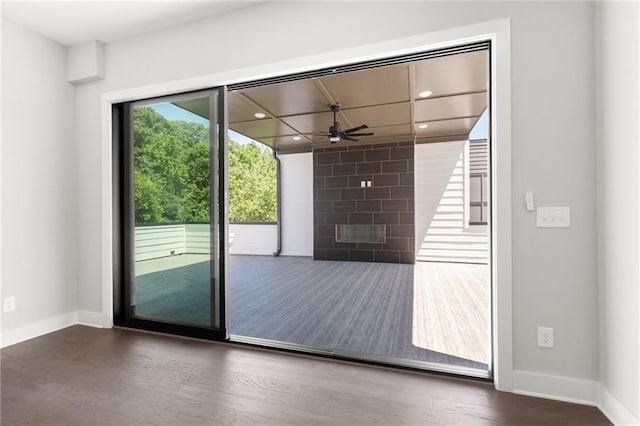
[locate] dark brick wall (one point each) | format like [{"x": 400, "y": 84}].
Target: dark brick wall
[{"x": 339, "y": 199}]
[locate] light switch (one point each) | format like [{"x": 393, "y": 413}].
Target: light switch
[
  {"x": 369, "y": 183},
  {"x": 554, "y": 217},
  {"x": 363, "y": 184},
  {"x": 528, "y": 199}
]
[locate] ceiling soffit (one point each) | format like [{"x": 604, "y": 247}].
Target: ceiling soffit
[{"x": 386, "y": 99}]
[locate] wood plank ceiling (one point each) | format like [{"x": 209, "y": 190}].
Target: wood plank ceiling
[{"x": 297, "y": 114}]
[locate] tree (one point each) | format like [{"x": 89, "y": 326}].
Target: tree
[
  {"x": 252, "y": 183},
  {"x": 172, "y": 173},
  {"x": 166, "y": 163},
  {"x": 147, "y": 200},
  {"x": 197, "y": 195}
]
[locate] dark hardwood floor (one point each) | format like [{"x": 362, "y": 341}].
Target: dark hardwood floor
[{"x": 87, "y": 376}]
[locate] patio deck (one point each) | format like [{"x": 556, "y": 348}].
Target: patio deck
[{"x": 433, "y": 312}]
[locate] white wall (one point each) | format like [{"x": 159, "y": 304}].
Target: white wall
[
  {"x": 253, "y": 239},
  {"x": 297, "y": 204},
  {"x": 552, "y": 128},
  {"x": 618, "y": 138},
  {"x": 38, "y": 184}
]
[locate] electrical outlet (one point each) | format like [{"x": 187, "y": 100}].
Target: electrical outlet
[
  {"x": 9, "y": 304},
  {"x": 545, "y": 337}
]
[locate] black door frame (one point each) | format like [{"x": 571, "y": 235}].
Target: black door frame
[{"x": 124, "y": 223}]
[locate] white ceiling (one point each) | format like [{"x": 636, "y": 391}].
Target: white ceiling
[{"x": 74, "y": 22}]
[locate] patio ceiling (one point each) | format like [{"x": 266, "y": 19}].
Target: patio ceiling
[{"x": 297, "y": 114}]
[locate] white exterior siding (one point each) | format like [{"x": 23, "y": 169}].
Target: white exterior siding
[
  {"x": 297, "y": 204},
  {"x": 438, "y": 173},
  {"x": 442, "y": 234}
]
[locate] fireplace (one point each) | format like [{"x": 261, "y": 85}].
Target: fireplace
[
  {"x": 361, "y": 233},
  {"x": 364, "y": 203}
]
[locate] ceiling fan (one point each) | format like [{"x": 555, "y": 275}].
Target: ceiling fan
[{"x": 335, "y": 134}]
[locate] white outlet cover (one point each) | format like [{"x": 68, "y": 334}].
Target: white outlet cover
[
  {"x": 545, "y": 337},
  {"x": 9, "y": 304}
]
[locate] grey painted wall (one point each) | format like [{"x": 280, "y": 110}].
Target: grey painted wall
[
  {"x": 553, "y": 148},
  {"x": 553, "y": 152},
  {"x": 38, "y": 180}
]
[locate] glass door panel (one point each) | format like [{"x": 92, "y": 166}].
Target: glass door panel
[{"x": 174, "y": 243}]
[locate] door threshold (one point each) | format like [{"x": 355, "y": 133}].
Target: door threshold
[{"x": 366, "y": 358}]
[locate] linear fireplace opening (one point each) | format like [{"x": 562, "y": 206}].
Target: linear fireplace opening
[{"x": 361, "y": 233}]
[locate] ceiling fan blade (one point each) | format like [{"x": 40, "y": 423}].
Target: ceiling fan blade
[
  {"x": 349, "y": 138},
  {"x": 361, "y": 134},
  {"x": 355, "y": 129}
]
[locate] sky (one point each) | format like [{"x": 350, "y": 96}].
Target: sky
[
  {"x": 172, "y": 112},
  {"x": 481, "y": 129},
  {"x": 175, "y": 113}
]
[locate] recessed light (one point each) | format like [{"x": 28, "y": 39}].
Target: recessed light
[
  {"x": 425, "y": 94},
  {"x": 260, "y": 115},
  {"x": 423, "y": 126},
  {"x": 296, "y": 138}
]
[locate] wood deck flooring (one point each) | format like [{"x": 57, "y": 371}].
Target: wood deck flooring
[
  {"x": 452, "y": 309},
  {"x": 86, "y": 376},
  {"x": 422, "y": 312}
]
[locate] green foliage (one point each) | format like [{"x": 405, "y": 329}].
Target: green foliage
[
  {"x": 147, "y": 199},
  {"x": 252, "y": 183},
  {"x": 172, "y": 175}
]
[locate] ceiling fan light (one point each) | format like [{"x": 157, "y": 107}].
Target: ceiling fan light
[
  {"x": 334, "y": 139},
  {"x": 425, "y": 93}
]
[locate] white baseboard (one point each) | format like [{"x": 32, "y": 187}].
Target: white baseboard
[
  {"x": 91, "y": 319},
  {"x": 560, "y": 388},
  {"x": 614, "y": 410},
  {"x": 38, "y": 328}
]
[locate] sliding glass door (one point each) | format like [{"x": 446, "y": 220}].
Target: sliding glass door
[
  {"x": 173, "y": 226},
  {"x": 389, "y": 295}
]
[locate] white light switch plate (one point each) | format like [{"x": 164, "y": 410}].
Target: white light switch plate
[{"x": 554, "y": 217}]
